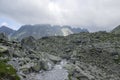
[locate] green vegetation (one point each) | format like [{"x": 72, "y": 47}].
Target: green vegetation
[
  {"x": 69, "y": 77},
  {"x": 1, "y": 55},
  {"x": 7, "y": 71}
]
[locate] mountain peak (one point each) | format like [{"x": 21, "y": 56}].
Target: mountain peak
[
  {"x": 6, "y": 30},
  {"x": 3, "y": 26}
]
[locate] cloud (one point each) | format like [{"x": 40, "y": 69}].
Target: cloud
[
  {"x": 4, "y": 24},
  {"x": 92, "y": 14}
]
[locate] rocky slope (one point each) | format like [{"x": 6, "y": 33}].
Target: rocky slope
[
  {"x": 88, "y": 56},
  {"x": 27, "y": 62}
]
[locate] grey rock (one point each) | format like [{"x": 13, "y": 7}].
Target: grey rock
[
  {"x": 28, "y": 42},
  {"x": 25, "y": 70},
  {"x": 3, "y": 37},
  {"x": 3, "y": 49},
  {"x": 54, "y": 58},
  {"x": 36, "y": 67},
  {"x": 44, "y": 65}
]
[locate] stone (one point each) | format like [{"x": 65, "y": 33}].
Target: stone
[
  {"x": 3, "y": 49},
  {"x": 36, "y": 68},
  {"x": 80, "y": 76},
  {"x": 69, "y": 67},
  {"x": 54, "y": 58},
  {"x": 3, "y": 37},
  {"x": 33, "y": 56},
  {"x": 44, "y": 65},
  {"x": 17, "y": 53},
  {"x": 25, "y": 70},
  {"x": 28, "y": 42}
]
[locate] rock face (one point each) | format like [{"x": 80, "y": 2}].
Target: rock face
[
  {"x": 45, "y": 30},
  {"x": 88, "y": 56},
  {"x": 38, "y": 31}
]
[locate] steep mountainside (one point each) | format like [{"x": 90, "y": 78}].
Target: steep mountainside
[
  {"x": 44, "y": 30},
  {"x": 6, "y": 30}
]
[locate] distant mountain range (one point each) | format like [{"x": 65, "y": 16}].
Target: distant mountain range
[{"x": 40, "y": 30}]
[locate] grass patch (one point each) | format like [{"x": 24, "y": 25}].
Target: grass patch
[{"x": 7, "y": 72}]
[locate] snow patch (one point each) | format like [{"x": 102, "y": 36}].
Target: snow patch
[{"x": 66, "y": 31}]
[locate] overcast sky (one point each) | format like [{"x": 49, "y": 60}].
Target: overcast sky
[{"x": 91, "y": 14}]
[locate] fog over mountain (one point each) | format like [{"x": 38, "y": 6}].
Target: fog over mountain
[{"x": 91, "y": 14}]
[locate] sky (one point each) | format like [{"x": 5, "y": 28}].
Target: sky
[{"x": 94, "y": 15}]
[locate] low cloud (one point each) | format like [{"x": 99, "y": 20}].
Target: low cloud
[{"x": 92, "y": 14}]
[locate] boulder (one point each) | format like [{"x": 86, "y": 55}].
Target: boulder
[
  {"x": 33, "y": 56},
  {"x": 80, "y": 76},
  {"x": 25, "y": 70},
  {"x": 17, "y": 53},
  {"x": 36, "y": 68},
  {"x": 74, "y": 73},
  {"x": 3, "y": 49},
  {"x": 44, "y": 65},
  {"x": 28, "y": 42},
  {"x": 69, "y": 67},
  {"x": 54, "y": 58},
  {"x": 3, "y": 37}
]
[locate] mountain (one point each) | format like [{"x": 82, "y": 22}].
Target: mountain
[
  {"x": 37, "y": 31},
  {"x": 116, "y": 30},
  {"x": 44, "y": 30},
  {"x": 6, "y": 30}
]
